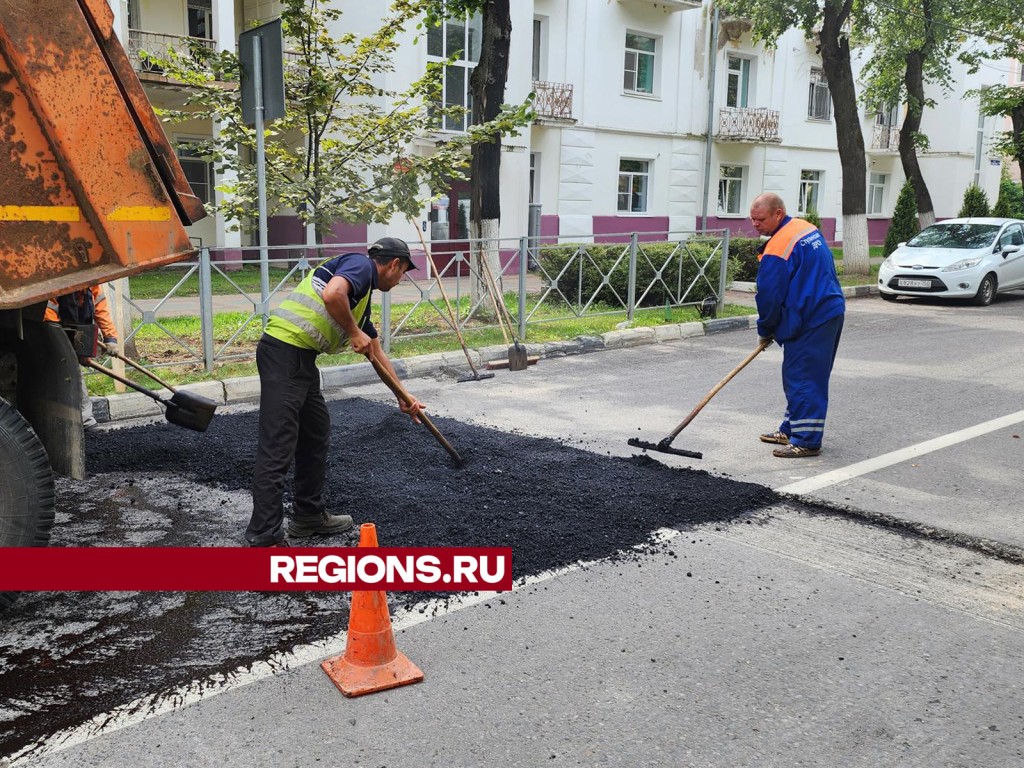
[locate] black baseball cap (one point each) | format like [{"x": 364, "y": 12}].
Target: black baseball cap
[{"x": 391, "y": 247}]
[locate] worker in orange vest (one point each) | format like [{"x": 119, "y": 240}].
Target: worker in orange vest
[{"x": 85, "y": 307}]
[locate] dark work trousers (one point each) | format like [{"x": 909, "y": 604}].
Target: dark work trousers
[
  {"x": 806, "y": 369},
  {"x": 294, "y": 424}
]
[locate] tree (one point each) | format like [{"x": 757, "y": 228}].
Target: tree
[
  {"x": 904, "y": 223},
  {"x": 487, "y": 84},
  {"x": 975, "y": 202},
  {"x": 342, "y": 150},
  {"x": 1007, "y": 101},
  {"x": 830, "y": 23},
  {"x": 913, "y": 43}
]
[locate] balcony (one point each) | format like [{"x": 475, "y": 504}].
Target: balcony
[
  {"x": 885, "y": 138},
  {"x": 553, "y": 102},
  {"x": 751, "y": 124},
  {"x": 159, "y": 45},
  {"x": 668, "y": 5}
]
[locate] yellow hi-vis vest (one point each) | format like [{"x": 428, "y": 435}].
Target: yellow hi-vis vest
[{"x": 303, "y": 321}]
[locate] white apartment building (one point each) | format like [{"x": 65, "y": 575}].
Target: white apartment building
[{"x": 626, "y": 93}]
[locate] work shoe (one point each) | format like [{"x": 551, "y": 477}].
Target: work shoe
[
  {"x": 779, "y": 438},
  {"x": 795, "y": 452},
  {"x": 324, "y": 525}
]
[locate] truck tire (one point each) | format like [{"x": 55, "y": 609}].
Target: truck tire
[{"x": 26, "y": 487}]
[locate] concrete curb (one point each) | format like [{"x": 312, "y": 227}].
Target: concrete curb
[{"x": 336, "y": 379}]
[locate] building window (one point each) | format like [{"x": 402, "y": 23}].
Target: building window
[
  {"x": 200, "y": 19},
  {"x": 634, "y": 180},
  {"x": 887, "y": 115},
  {"x": 459, "y": 38},
  {"x": 819, "y": 101},
  {"x": 538, "y": 39},
  {"x": 198, "y": 170},
  {"x": 810, "y": 187},
  {"x": 534, "y": 177},
  {"x": 876, "y": 192},
  {"x": 737, "y": 81},
  {"x": 638, "y": 76},
  {"x": 134, "y": 15},
  {"x": 730, "y": 188}
]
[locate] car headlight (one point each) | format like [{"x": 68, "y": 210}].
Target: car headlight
[
  {"x": 963, "y": 264},
  {"x": 888, "y": 263}
]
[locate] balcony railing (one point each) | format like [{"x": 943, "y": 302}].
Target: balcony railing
[
  {"x": 748, "y": 124},
  {"x": 159, "y": 45},
  {"x": 886, "y": 137},
  {"x": 666, "y": 5},
  {"x": 553, "y": 100}
]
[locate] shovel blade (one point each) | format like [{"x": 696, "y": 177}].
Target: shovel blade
[
  {"x": 191, "y": 411},
  {"x": 517, "y": 357}
]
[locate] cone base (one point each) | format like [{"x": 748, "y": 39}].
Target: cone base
[{"x": 354, "y": 680}]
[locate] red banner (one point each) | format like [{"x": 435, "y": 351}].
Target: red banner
[{"x": 239, "y": 569}]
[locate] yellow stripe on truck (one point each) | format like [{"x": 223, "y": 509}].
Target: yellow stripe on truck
[
  {"x": 140, "y": 213},
  {"x": 39, "y": 213}
]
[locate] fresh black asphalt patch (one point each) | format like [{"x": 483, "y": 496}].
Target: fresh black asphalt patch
[{"x": 67, "y": 657}]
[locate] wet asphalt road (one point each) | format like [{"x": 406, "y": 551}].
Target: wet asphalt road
[{"x": 67, "y": 657}]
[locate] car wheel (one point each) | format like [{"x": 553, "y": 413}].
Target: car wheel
[
  {"x": 986, "y": 291},
  {"x": 26, "y": 487},
  {"x": 888, "y": 296}
]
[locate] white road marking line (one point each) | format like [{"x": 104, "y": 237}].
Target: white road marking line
[
  {"x": 837, "y": 476},
  {"x": 200, "y": 690}
]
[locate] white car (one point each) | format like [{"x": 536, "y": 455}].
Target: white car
[{"x": 957, "y": 258}]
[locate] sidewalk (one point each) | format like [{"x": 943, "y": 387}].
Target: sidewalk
[{"x": 333, "y": 380}]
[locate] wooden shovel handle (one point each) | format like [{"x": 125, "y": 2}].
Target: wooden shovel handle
[
  {"x": 714, "y": 391},
  {"x": 142, "y": 369},
  {"x": 400, "y": 392}
]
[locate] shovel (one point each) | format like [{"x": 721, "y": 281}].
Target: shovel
[
  {"x": 665, "y": 445},
  {"x": 183, "y": 408},
  {"x": 517, "y": 359}
]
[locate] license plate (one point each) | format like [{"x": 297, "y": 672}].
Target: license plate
[{"x": 904, "y": 283}]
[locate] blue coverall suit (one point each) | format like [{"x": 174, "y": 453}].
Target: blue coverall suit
[{"x": 800, "y": 304}]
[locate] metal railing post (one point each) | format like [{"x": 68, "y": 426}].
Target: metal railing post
[
  {"x": 206, "y": 307},
  {"x": 524, "y": 255},
  {"x": 385, "y": 321},
  {"x": 724, "y": 271},
  {"x": 631, "y": 284}
]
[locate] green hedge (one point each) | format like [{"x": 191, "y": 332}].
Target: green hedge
[
  {"x": 743, "y": 254},
  {"x": 554, "y": 258}
]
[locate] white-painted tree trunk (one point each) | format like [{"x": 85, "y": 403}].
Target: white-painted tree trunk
[
  {"x": 485, "y": 246},
  {"x": 926, "y": 219},
  {"x": 855, "y": 245}
]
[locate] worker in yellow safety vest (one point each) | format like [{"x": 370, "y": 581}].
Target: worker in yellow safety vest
[{"x": 327, "y": 312}]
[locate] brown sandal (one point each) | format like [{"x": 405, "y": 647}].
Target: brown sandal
[
  {"x": 779, "y": 438},
  {"x": 795, "y": 452}
]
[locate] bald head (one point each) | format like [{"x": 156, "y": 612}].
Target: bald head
[{"x": 767, "y": 212}]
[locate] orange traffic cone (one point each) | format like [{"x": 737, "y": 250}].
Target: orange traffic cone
[{"x": 371, "y": 661}]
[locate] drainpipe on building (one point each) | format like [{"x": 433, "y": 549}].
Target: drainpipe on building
[{"x": 713, "y": 55}]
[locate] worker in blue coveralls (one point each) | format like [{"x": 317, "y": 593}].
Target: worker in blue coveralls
[
  {"x": 800, "y": 305},
  {"x": 328, "y": 311}
]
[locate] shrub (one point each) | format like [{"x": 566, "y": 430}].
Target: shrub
[
  {"x": 1010, "y": 203},
  {"x": 904, "y": 224},
  {"x": 812, "y": 217},
  {"x": 975, "y": 202},
  {"x": 588, "y": 263},
  {"x": 743, "y": 254}
]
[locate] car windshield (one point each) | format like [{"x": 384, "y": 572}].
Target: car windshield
[{"x": 955, "y": 236}]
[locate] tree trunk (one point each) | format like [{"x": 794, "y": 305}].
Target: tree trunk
[
  {"x": 913, "y": 79},
  {"x": 835, "y": 59},
  {"x": 1017, "y": 122},
  {"x": 488, "y": 87}
]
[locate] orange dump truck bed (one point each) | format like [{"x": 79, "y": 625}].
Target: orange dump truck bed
[{"x": 90, "y": 188}]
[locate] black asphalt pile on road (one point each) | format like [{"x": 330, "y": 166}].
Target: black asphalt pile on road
[{"x": 66, "y": 657}]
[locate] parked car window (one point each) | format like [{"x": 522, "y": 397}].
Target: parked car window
[
  {"x": 1013, "y": 235},
  {"x": 966, "y": 236}
]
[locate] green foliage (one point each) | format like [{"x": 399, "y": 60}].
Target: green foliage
[
  {"x": 975, "y": 202},
  {"x": 341, "y": 152},
  {"x": 1010, "y": 204},
  {"x": 904, "y": 224},
  {"x": 586, "y": 264},
  {"x": 812, "y": 217},
  {"x": 743, "y": 254}
]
